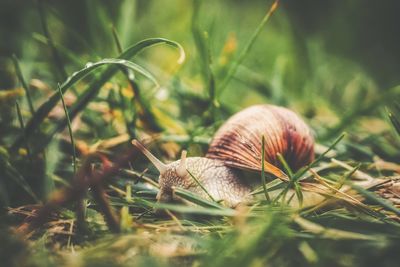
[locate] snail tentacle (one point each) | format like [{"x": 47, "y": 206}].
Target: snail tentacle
[{"x": 161, "y": 167}]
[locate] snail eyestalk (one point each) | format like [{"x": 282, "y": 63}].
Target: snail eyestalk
[
  {"x": 161, "y": 167},
  {"x": 181, "y": 170}
]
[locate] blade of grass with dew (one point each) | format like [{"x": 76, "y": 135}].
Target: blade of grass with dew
[
  {"x": 78, "y": 76},
  {"x": 263, "y": 180},
  {"x": 247, "y": 47},
  {"x": 23, "y": 83},
  {"x": 71, "y": 136},
  {"x": 138, "y": 102},
  {"x": 92, "y": 88},
  {"x": 128, "y": 73}
]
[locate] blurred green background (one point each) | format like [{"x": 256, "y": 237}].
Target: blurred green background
[
  {"x": 311, "y": 54},
  {"x": 363, "y": 32}
]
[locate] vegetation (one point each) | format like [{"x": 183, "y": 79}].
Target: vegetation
[{"x": 83, "y": 78}]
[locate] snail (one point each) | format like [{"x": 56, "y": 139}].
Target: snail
[{"x": 237, "y": 145}]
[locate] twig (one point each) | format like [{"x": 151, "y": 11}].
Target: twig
[{"x": 77, "y": 190}]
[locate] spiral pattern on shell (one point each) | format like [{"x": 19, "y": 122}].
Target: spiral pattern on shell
[{"x": 238, "y": 143}]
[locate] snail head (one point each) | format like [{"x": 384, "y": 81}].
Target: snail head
[{"x": 171, "y": 175}]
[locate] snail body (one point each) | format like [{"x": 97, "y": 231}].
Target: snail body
[
  {"x": 238, "y": 145},
  {"x": 220, "y": 181}
]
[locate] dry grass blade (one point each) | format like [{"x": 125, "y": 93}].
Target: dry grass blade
[{"x": 330, "y": 233}]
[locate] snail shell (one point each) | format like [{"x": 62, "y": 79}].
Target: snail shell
[{"x": 238, "y": 143}]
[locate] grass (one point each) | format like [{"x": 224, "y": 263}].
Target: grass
[
  {"x": 71, "y": 136},
  {"x": 102, "y": 210}
]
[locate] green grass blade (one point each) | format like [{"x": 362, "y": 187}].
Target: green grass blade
[
  {"x": 93, "y": 87},
  {"x": 299, "y": 193},
  {"x": 376, "y": 199},
  {"x": 56, "y": 56},
  {"x": 271, "y": 186},
  {"x": 200, "y": 41},
  {"x": 201, "y": 186},
  {"x": 263, "y": 180},
  {"x": 21, "y": 123},
  {"x": 64, "y": 51},
  {"x": 295, "y": 184},
  {"x": 127, "y": 15},
  {"x": 285, "y": 165},
  {"x": 71, "y": 136},
  {"x": 196, "y": 199},
  {"x": 23, "y": 83},
  {"x": 116, "y": 39},
  {"x": 295, "y": 177},
  {"x": 138, "y": 102},
  {"x": 77, "y": 76},
  {"x": 188, "y": 209},
  {"x": 130, "y": 77},
  {"x": 395, "y": 121},
  {"x": 74, "y": 78},
  {"x": 12, "y": 173},
  {"x": 303, "y": 170},
  {"x": 282, "y": 194},
  {"x": 202, "y": 46},
  {"x": 247, "y": 47}
]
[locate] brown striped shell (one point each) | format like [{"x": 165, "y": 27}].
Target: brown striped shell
[{"x": 239, "y": 140}]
